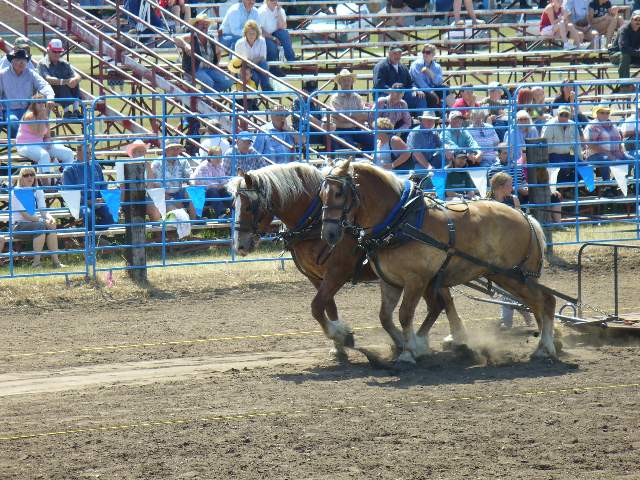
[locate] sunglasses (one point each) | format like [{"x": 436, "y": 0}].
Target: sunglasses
[
  {"x": 427, "y": 52},
  {"x": 29, "y": 175}
]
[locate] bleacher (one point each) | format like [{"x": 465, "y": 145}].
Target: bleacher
[{"x": 128, "y": 73}]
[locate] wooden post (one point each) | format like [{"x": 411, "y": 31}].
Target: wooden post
[
  {"x": 538, "y": 154},
  {"x": 134, "y": 213}
]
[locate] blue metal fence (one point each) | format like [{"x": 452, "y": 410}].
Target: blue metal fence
[{"x": 94, "y": 240}]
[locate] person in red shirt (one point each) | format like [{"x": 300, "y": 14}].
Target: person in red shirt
[
  {"x": 466, "y": 102},
  {"x": 179, "y": 8}
]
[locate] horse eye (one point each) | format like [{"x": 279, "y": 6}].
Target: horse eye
[{"x": 338, "y": 193}]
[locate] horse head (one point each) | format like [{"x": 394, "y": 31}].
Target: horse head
[
  {"x": 340, "y": 202},
  {"x": 252, "y": 217}
]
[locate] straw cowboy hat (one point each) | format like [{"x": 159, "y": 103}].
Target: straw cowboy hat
[
  {"x": 201, "y": 17},
  {"x": 600, "y": 108},
  {"x": 235, "y": 65},
  {"x": 136, "y": 144},
  {"x": 173, "y": 145},
  {"x": 344, "y": 73},
  {"x": 428, "y": 116}
]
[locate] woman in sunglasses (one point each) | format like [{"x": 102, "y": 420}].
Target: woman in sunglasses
[{"x": 41, "y": 225}]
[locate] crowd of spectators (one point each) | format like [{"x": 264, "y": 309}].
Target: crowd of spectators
[{"x": 414, "y": 121}]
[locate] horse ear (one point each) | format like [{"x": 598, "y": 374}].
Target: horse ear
[{"x": 248, "y": 181}]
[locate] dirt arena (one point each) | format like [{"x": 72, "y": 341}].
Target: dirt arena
[{"x": 234, "y": 381}]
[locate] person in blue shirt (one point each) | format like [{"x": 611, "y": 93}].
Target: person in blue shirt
[
  {"x": 425, "y": 143},
  {"x": 242, "y": 157},
  {"x": 457, "y": 140},
  {"x": 272, "y": 146},
  {"x": 78, "y": 175},
  {"x": 427, "y": 76},
  {"x": 517, "y": 135},
  {"x": 235, "y": 19}
]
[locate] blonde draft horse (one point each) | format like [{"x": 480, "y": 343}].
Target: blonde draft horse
[
  {"x": 289, "y": 192},
  {"x": 490, "y": 231}
]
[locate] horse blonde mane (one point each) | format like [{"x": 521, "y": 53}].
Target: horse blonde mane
[
  {"x": 366, "y": 168},
  {"x": 286, "y": 182}
]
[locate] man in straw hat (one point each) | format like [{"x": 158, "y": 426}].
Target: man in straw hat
[
  {"x": 390, "y": 71},
  {"x": 205, "y": 48},
  {"x": 20, "y": 83},
  {"x": 625, "y": 50},
  {"x": 603, "y": 140},
  {"x": 352, "y": 107},
  {"x": 172, "y": 172},
  {"x": 235, "y": 19},
  {"x": 425, "y": 142}
]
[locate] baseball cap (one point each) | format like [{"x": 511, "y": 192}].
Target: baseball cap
[{"x": 55, "y": 45}]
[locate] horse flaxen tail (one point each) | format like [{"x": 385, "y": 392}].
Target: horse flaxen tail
[
  {"x": 456, "y": 243},
  {"x": 289, "y": 192}
]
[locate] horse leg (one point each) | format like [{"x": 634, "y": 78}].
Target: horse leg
[
  {"x": 414, "y": 347},
  {"x": 336, "y": 330},
  {"x": 390, "y": 297},
  {"x": 458, "y": 334},
  {"x": 543, "y": 307}
]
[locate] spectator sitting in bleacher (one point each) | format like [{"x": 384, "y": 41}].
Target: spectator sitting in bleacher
[
  {"x": 395, "y": 109},
  {"x": 630, "y": 131},
  {"x": 392, "y": 153},
  {"x": 427, "y": 75},
  {"x": 143, "y": 10},
  {"x": 351, "y": 106},
  {"x": 457, "y": 10},
  {"x": 390, "y": 71},
  {"x": 253, "y": 47},
  {"x": 459, "y": 183},
  {"x": 211, "y": 173},
  {"x": 64, "y": 81},
  {"x": 235, "y": 20},
  {"x": 603, "y": 17},
  {"x": 273, "y": 21},
  {"x": 205, "y": 48},
  {"x": 567, "y": 96},
  {"x": 625, "y": 50},
  {"x": 518, "y": 134},
  {"x": 466, "y": 102},
  {"x": 180, "y": 8},
  {"x": 516, "y": 172},
  {"x": 17, "y": 82},
  {"x": 539, "y": 111},
  {"x": 37, "y": 225},
  {"x": 457, "y": 139},
  {"x": 79, "y": 175},
  {"x": 21, "y": 43},
  {"x": 34, "y": 139},
  {"x": 496, "y": 107},
  {"x": 425, "y": 143},
  {"x": 554, "y": 24},
  {"x": 564, "y": 141},
  {"x": 603, "y": 141},
  {"x": 242, "y": 157},
  {"x": 577, "y": 13},
  {"x": 271, "y": 145},
  {"x": 213, "y": 138},
  {"x": 245, "y": 83},
  {"x": 172, "y": 173},
  {"x": 485, "y": 136}
]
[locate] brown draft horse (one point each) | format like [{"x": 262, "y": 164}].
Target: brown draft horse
[
  {"x": 290, "y": 192},
  {"x": 487, "y": 230}
]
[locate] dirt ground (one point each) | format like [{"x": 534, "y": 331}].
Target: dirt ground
[{"x": 236, "y": 382}]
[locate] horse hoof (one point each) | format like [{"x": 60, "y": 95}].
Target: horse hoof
[
  {"x": 447, "y": 344},
  {"x": 338, "y": 355},
  {"x": 406, "y": 358},
  {"x": 349, "y": 340}
]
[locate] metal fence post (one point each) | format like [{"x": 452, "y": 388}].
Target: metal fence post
[{"x": 539, "y": 191}]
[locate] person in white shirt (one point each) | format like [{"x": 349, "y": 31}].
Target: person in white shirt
[
  {"x": 273, "y": 21},
  {"x": 253, "y": 47}
]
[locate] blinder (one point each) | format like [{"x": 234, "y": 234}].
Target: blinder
[
  {"x": 257, "y": 214},
  {"x": 353, "y": 201}
]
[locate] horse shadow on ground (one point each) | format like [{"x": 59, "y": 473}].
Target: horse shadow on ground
[{"x": 461, "y": 366}]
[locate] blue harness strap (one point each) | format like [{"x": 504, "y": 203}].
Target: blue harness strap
[
  {"x": 308, "y": 212},
  {"x": 387, "y": 221}
]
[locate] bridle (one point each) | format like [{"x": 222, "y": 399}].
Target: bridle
[
  {"x": 257, "y": 214},
  {"x": 346, "y": 185}
]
